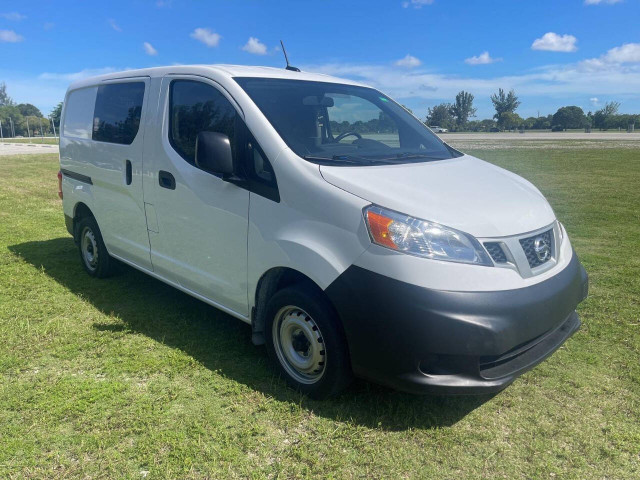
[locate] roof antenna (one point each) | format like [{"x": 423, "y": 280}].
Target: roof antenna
[{"x": 288, "y": 67}]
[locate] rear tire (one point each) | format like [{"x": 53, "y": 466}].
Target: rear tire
[
  {"x": 93, "y": 253},
  {"x": 305, "y": 339}
]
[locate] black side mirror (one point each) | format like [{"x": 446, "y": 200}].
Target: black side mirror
[{"x": 213, "y": 153}]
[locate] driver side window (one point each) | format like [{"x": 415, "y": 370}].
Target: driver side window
[
  {"x": 353, "y": 119},
  {"x": 197, "y": 107}
]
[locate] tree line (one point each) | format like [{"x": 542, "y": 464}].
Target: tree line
[
  {"x": 456, "y": 116},
  {"x": 25, "y": 119}
]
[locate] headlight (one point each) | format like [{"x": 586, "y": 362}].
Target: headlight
[{"x": 423, "y": 238}]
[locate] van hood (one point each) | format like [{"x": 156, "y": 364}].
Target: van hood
[{"x": 464, "y": 193}]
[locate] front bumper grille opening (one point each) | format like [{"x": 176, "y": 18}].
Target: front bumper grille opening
[
  {"x": 534, "y": 257},
  {"x": 496, "y": 251}
]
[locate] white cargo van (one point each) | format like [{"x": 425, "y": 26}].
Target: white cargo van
[{"x": 322, "y": 213}]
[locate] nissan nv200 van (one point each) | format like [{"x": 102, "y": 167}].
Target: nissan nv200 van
[{"x": 325, "y": 215}]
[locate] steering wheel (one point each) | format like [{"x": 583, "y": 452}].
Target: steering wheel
[{"x": 346, "y": 134}]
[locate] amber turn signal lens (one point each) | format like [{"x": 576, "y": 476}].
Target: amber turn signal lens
[{"x": 379, "y": 228}]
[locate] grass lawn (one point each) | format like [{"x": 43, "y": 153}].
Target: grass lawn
[
  {"x": 45, "y": 140},
  {"x": 127, "y": 377}
]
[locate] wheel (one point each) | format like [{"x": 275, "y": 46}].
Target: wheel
[
  {"x": 305, "y": 339},
  {"x": 93, "y": 254}
]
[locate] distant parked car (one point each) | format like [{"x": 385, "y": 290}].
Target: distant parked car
[{"x": 437, "y": 129}]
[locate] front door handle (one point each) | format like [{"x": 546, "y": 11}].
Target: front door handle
[{"x": 166, "y": 180}]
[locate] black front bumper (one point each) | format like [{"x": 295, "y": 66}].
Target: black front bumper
[{"x": 422, "y": 340}]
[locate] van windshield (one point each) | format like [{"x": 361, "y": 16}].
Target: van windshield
[{"x": 337, "y": 124}]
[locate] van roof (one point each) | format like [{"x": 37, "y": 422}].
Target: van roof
[{"x": 230, "y": 71}]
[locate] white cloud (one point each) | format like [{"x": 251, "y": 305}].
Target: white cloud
[
  {"x": 483, "y": 59},
  {"x": 149, "y": 50},
  {"x": 408, "y": 62},
  {"x": 46, "y": 90},
  {"x": 594, "y": 101},
  {"x": 206, "y": 36},
  {"x": 416, "y": 3},
  {"x": 163, "y": 3},
  {"x": 553, "y": 42},
  {"x": 112, "y": 23},
  {"x": 623, "y": 59},
  {"x": 254, "y": 46},
  {"x": 73, "y": 76},
  {"x": 13, "y": 16},
  {"x": 554, "y": 84},
  {"x": 598, "y": 2},
  {"x": 44, "y": 95},
  {"x": 48, "y": 25},
  {"x": 627, "y": 53},
  {"x": 10, "y": 36},
  {"x": 559, "y": 82}
]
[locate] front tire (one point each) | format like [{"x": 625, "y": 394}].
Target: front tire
[
  {"x": 93, "y": 253},
  {"x": 305, "y": 339}
]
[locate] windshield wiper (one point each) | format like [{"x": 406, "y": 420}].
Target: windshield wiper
[
  {"x": 335, "y": 160},
  {"x": 344, "y": 159},
  {"x": 405, "y": 156}
]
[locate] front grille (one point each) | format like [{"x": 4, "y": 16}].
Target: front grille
[
  {"x": 496, "y": 252},
  {"x": 529, "y": 247}
]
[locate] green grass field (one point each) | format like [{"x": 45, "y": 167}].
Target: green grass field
[
  {"x": 36, "y": 140},
  {"x": 127, "y": 377}
]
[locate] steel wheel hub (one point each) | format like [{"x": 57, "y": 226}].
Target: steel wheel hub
[
  {"x": 299, "y": 344},
  {"x": 89, "y": 248}
]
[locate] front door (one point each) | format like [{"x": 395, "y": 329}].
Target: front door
[{"x": 200, "y": 240}]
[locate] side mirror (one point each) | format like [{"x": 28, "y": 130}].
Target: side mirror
[{"x": 213, "y": 153}]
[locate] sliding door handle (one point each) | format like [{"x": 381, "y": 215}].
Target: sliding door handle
[{"x": 127, "y": 172}]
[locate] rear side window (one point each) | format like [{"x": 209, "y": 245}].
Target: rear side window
[
  {"x": 197, "y": 107},
  {"x": 116, "y": 118},
  {"x": 78, "y": 116}
]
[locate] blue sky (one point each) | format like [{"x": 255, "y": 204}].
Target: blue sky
[{"x": 421, "y": 52}]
